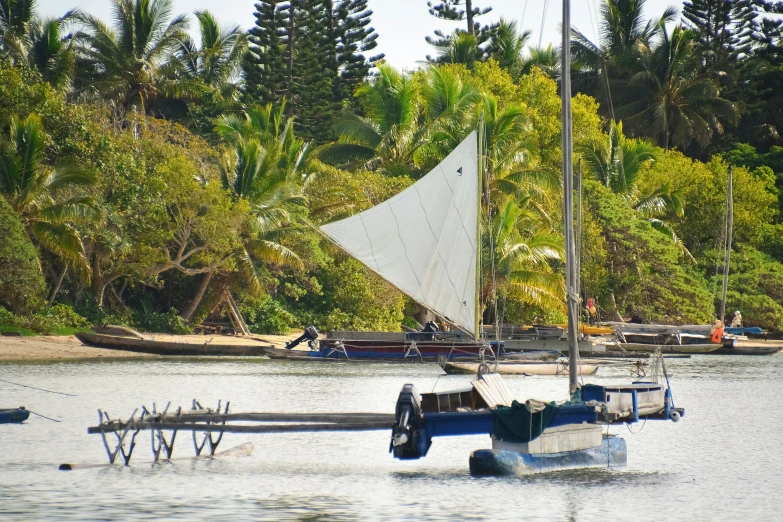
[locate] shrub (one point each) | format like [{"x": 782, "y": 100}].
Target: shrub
[
  {"x": 22, "y": 286},
  {"x": 266, "y": 316}
]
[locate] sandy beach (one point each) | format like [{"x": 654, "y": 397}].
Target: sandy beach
[{"x": 44, "y": 347}]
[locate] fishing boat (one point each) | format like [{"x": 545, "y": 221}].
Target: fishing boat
[
  {"x": 133, "y": 344},
  {"x": 14, "y": 416},
  {"x": 534, "y": 436}
]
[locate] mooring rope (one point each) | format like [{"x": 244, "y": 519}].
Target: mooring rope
[
  {"x": 44, "y": 416},
  {"x": 39, "y": 389}
]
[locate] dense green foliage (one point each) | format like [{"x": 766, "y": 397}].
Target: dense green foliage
[
  {"x": 204, "y": 167},
  {"x": 21, "y": 283}
]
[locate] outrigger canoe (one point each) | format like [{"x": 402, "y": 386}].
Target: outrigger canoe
[{"x": 131, "y": 344}]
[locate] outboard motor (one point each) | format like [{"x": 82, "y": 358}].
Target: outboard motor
[
  {"x": 409, "y": 439},
  {"x": 431, "y": 327},
  {"x": 310, "y": 334}
]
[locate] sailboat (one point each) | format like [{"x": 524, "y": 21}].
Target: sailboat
[
  {"x": 425, "y": 242},
  {"x": 533, "y": 436}
]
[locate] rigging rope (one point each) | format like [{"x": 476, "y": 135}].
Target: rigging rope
[
  {"x": 39, "y": 389},
  {"x": 44, "y": 416},
  {"x": 543, "y": 19}
]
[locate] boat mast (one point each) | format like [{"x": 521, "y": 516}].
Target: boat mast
[
  {"x": 578, "y": 284},
  {"x": 729, "y": 227},
  {"x": 478, "y": 223},
  {"x": 568, "y": 198}
]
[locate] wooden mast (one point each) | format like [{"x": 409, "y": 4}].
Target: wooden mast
[
  {"x": 480, "y": 159},
  {"x": 729, "y": 229},
  {"x": 568, "y": 199}
]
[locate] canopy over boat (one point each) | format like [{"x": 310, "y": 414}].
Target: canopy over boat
[{"x": 423, "y": 240}]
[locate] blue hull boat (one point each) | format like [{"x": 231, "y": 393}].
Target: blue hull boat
[
  {"x": 612, "y": 453},
  {"x": 14, "y": 416}
]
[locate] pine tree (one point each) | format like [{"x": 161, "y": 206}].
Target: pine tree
[
  {"x": 353, "y": 37},
  {"x": 452, "y": 10},
  {"x": 264, "y": 64},
  {"x": 313, "y": 70},
  {"x": 723, "y": 30},
  {"x": 312, "y": 54}
]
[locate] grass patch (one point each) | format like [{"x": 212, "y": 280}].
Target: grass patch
[{"x": 24, "y": 331}]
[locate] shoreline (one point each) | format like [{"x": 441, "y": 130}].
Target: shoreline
[{"x": 50, "y": 348}]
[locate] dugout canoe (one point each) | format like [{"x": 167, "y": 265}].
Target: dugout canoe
[
  {"x": 130, "y": 344},
  {"x": 14, "y": 415},
  {"x": 531, "y": 368},
  {"x": 665, "y": 348}
]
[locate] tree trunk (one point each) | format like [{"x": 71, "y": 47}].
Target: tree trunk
[
  {"x": 98, "y": 284},
  {"x": 469, "y": 14},
  {"x": 57, "y": 286},
  {"x": 188, "y": 312},
  {"x": 290, "y": 46}
]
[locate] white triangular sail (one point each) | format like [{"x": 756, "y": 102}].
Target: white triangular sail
[{"x": 423, "y": 240}]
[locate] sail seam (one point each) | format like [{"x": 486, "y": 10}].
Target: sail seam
[
  {"x": 369, "y": 241},
  {"x": 405, "y": 250},
  {"x": 471, "y": 241},
  {"x": 437, "y": 251},
  {"x": 453, "y": 204}
]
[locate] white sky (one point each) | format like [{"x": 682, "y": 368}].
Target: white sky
[{"x": 401, "y": 24}]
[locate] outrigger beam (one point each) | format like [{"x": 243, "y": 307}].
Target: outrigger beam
[{"x": 209, "y": 422}]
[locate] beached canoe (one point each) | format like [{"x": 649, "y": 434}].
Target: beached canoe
[
  {"x": 509, "y": 368},
  {"x": 665, "y": 348},
  {"x": 132, "y": 344},
  {"x": 14, "y": 416},
  {"x": 740, "y": 347}
]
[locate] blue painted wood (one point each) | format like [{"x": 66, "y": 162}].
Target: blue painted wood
[
  {"x": 489, "y": 462},
  {"x": 755, "y": 330},
  {"x": 454, "y": 423}
]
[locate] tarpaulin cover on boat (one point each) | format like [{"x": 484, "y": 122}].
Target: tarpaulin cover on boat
[
  {"x": 423, "y": 240},
  {"x": 522, "y": 422}
]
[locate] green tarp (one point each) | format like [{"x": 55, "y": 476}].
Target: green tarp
[{"x": 520, "y": 423}]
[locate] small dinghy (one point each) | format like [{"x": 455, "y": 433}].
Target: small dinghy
[{"x": 14, "y": 416}]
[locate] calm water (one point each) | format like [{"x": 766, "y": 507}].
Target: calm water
[{"x": 721, "y": 462}]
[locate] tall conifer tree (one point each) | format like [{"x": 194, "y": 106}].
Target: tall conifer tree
[
  {"x": 264, "y": 64},
  {"x": 459, "y": 11},
  {"x": 354, "y": 38}
]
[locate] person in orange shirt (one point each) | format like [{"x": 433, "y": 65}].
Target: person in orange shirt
[{"x": 717, "y": 331}]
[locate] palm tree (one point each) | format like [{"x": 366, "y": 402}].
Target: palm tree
[
  {"x": 48, "y": 200},
  {"x": 218, "y": 60},
  {"x": 675, "y": 104},
  {"x": 507, "y": 45},
  {"x": 52, "y": 52},
  {"x": 403, "y": 121},
  {"x": 265, "y": 164},
  {"x": 617, "y": 164},
  {"x": 604, "y": 66},
  {"x": 522, "y": 257},
  {"x": 126, "y": 64},
  {"x": 16, "y": 20},
  {"x": 41, "y": 44},
  {"x": 545, "y": 58}
]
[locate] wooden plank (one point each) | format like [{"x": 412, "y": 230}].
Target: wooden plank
[
  {"x": 500, "y": 385},
  {"x": 498, "y": 388},
  {"x": 486, "y": 393},
  {"x": 228, "y": 428}
]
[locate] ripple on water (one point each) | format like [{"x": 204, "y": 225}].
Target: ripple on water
[{"x": 721, "y": 462}]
